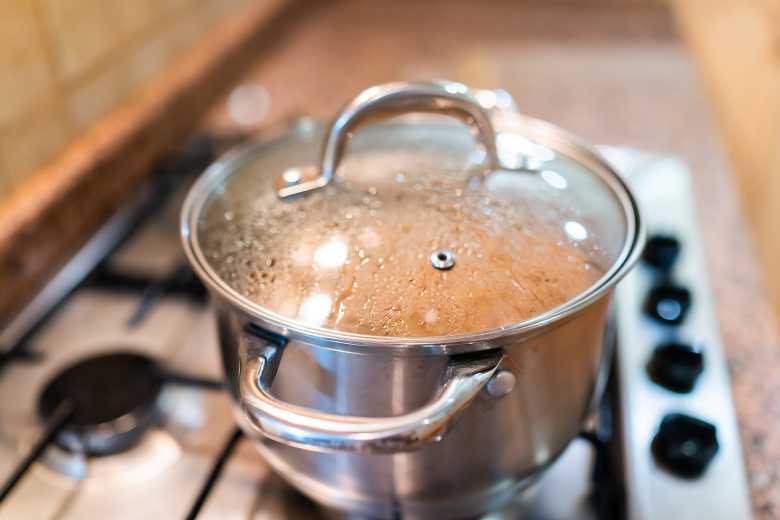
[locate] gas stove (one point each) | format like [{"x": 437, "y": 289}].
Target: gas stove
[{"x": 113, "y": 405}]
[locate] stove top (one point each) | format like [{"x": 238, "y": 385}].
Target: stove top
[{"x": 113, "y": 404}]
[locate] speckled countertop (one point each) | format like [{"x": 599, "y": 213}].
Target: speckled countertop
[{"x": 613, "y": 74}]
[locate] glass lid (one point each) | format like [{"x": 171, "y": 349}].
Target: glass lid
[{"x": 414, "y": 227}]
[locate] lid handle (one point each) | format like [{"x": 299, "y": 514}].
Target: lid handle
[{"x": 392, "y": 99}]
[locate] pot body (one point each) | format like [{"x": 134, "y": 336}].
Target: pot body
[
  {"x": 498, "y": 444},
  {"x": 433, "y": 426}
]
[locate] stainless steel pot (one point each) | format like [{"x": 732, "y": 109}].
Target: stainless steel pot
[{"x": 443, "y": 426}]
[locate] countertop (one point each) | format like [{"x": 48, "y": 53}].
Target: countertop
[{"x": 614, "y": 74}]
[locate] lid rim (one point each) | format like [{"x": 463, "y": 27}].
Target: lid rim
[{"x": 456, "y": 343}]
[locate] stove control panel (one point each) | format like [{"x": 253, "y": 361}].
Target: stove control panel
[{"x": 682, "y": 456}]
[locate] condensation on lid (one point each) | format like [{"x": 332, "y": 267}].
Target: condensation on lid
[{"x": 370, "y": 252}]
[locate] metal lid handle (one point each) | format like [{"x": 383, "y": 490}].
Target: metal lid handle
[{"x": 392, "y": 99}]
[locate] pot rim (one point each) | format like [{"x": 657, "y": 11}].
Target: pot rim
[{"x": 545, "y": 133}]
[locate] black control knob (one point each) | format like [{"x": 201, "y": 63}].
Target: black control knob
[
  {"x": 685, "y": 445},
  {"x": 668, "y": 303},
  {"x": 661, "y": 251},
  {"x": 676, "y": 366}
]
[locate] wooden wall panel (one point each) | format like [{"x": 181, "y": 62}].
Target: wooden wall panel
[{"x": 737, "y": 47}]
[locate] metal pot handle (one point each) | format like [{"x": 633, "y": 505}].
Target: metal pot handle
[
  {"x": 392, "y": 99},
  {"x": 309, "y": 429}
]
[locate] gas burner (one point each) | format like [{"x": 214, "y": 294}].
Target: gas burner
[{"x": 113, "y": 398}]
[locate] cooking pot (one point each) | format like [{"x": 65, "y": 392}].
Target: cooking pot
[{"x": 412, "y": 313}]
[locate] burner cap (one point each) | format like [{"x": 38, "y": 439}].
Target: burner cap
[{"x": 114, "y": 397}]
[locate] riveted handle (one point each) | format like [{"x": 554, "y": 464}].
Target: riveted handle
[
  {"x": 311, "y": 429},
  {"x": 392, "y": 99}
]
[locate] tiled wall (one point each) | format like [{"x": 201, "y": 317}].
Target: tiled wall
[{"x": 66, "y": 63}]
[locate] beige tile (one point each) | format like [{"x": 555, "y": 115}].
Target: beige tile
[
  {"x": 204, "y": 16},
  {"x": 31, "y": 142},
  {"x": 178, "y": 5},
  {"x": 190, "y": 25},
  {"x": 82, "y": 32},
  {"x": 194, "y": 22},
  {"x": 103, "y": 51},
  {"x": 6, "y": 182},
  {"x": 24, "y": 73},
  {"x": 219, "y": 8},
  {"x": 145, "y": 61},
  {"x": 186, "y": 21},
  {"x": 131, "y": 17},
  {"x": 97, "y": 96},
  {"x": 136, "y": 16}
]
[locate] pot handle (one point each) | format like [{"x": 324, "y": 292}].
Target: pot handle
[
  {"x": 294, "y": 425},
  {"x": 392, "y": 99}
]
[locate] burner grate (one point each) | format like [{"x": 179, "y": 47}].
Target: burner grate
[
  {"x": 65, "y": 415},
  {"x": 58, "y": 421},
  {"x": 215, "y": 473},
  {"x": 101, "y": 406}
]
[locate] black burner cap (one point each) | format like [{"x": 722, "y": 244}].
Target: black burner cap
[
  {"x": 114, "y": 397},
  {"x": 685, "y": 445}
]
